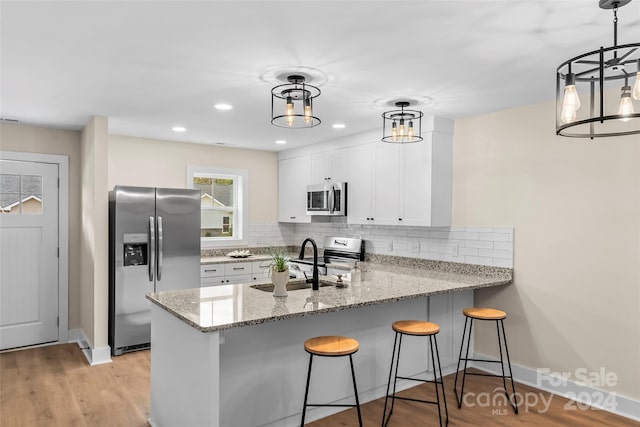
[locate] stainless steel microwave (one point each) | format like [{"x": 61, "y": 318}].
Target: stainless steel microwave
[{"x": 329, "y": 198}]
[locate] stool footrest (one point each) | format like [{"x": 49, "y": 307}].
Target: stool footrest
[
  {"x": 481, "y": 360},
  {"x": 413, "y": 400},
  {"x": 333, "y": 405},
  {"x": 485, "y": 375},
  {"x": 419, "y": 379}
]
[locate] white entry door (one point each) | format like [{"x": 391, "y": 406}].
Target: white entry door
[{"x": 28, "y": 253}]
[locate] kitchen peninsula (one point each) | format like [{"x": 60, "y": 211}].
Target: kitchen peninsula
[{"x": 232, "y": 355}]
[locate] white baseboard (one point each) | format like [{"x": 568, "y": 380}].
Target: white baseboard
[
  {"x": 567, "y": 387},
  {"x": 95, "y": 356}
]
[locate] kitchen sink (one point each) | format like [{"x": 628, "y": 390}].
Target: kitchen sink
[{"x": 295, "y": 286}]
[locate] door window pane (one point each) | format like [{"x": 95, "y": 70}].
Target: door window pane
[{"x": 20, "y": 194}]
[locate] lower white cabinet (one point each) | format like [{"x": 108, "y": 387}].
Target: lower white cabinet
[
  {"x": 259, "y": 270},
  {"x": 446, "y": 311},
  {"x": 233, "y": 273},
  {"x": 211, "y": 275}
]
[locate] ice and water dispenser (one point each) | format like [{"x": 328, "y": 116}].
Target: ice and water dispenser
[{"x": 135, "y": 249}]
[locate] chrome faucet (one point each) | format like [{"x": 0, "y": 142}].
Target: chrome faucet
[{"x": 314, "y": 281}]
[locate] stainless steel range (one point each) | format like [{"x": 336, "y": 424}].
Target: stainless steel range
[{"x": 340, "y": 256}]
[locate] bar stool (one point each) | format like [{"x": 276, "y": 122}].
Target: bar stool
[
  {"x": 421, "y": 329},
  {"x": 489, "y": 314},
  {"x": 331, "y": 346}
]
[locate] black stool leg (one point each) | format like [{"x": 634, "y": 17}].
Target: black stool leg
[
  {"x": 513, "y": 387},
  {"x": 395, "y": 378},
  {"x": 444, "y": 396},
  {"x": 435, "y": 378},
  {"x": 455, "y": 382},
  {"x": 306, "y": 391},
  {"x": 466, "y": 359},
  {"x": 386, "y": 396},
  {"x": 355, "y": 390}
]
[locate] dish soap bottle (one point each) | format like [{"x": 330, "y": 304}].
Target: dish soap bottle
[{"x": 355, "y": 274}]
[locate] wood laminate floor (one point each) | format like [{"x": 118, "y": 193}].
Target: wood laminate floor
[{"x": 54, "y": 386}]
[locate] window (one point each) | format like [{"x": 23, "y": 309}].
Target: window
[
  {"x": 20, "y": 194},
  {"x": 223, "y": 200}
]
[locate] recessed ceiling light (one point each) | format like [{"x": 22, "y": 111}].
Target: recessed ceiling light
[
  {"x": 179, "y": 129},
  {"x": 281, "y": 141},
  {"x": 339, "y": 126},
  {"x": 223, "y": 107}
]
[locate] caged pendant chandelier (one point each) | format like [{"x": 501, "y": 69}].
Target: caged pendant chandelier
[
  {"x": 292, "y": 104},
  {"x": 402, "y": 126},
  {"x": 594, "y": 96}
]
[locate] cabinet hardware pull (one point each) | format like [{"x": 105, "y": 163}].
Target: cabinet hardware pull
[
  {"x": 238, "y": 268},
  {"x": 209, "y": 270}
]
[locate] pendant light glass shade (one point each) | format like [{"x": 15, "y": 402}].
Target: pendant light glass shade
[
  {"x": 292, "y": 104},
  {"x": 589, "y": 101},
  {"x": 402, "y": 126}
]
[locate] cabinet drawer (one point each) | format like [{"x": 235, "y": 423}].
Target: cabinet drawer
[
  {"x": 212, "y": 270},
  {"x": 235, "y": 268},
  {"x": 211, "y": 281},
  {"x": 260, "y": 267}
]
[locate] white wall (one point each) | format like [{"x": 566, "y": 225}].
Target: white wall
[
  {"x": 94, "y": 255},
  {"x": 156, "y": 163},
  {"x": 575, "y": 207}
]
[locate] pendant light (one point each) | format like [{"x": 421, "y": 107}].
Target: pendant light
[
  {"x": 594, "y": 97},
  {"x": 292, "y": 104},
  {"x": 402, "y": 126}
]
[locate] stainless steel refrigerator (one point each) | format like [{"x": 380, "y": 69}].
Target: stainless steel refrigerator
[{"x": 154, "y": 245}]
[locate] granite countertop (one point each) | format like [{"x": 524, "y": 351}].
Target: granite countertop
[
  {"x": 230, "y": 306},
  {"x": 208, "y": 260}
]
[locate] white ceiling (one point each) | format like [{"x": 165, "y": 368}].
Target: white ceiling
[{"x": 149, "y": 66}]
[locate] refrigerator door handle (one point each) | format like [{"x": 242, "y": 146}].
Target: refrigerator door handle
[
  {"x": 160, "y": 245},
  {"x": 152, "y": 248}
]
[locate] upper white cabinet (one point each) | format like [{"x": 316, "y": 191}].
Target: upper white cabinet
[
  {"x": 426, "y": 174},
  {"x": 387, "y": 184},
  {"x": 354, "y": 166},
  {"x": 320, "y": 167},
  {"x": 294, "y": 174}
]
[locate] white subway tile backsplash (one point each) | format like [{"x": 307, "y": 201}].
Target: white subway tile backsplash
[
  {"x": 484, "y": 244},
  {"x": 474, "y": 245},
  {"x": 495, "y": 253},
  {"x": 505, "y": 246},
  {"x": 465, "y": 235},
  {"x": 468, "y": 251},
  {"x": 439, "y": 235},
  {"x": 496, "y": 237}
]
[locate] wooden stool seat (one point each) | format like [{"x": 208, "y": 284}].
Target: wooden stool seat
[
  {"x": 415, "y": 327},
  {"x": 484, "y": 313},
  {"x": 331, "y": 346}
]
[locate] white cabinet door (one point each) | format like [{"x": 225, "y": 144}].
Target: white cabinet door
[
  {"x": 320, "y": 167},
  {"x": 427, "y": 170},
  {"x": 235, "y": 280},
  {"x": 211, "y": 281},
  {"x": 259, "y": 270},
  {"x": 387, "y": 184},
  {"x": 354, "y": 166},
  {"x": 293, "y": 177},
  {"x": 416, "y": 175}
]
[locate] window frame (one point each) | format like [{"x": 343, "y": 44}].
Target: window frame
[{"x": 241, "y": 199}]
